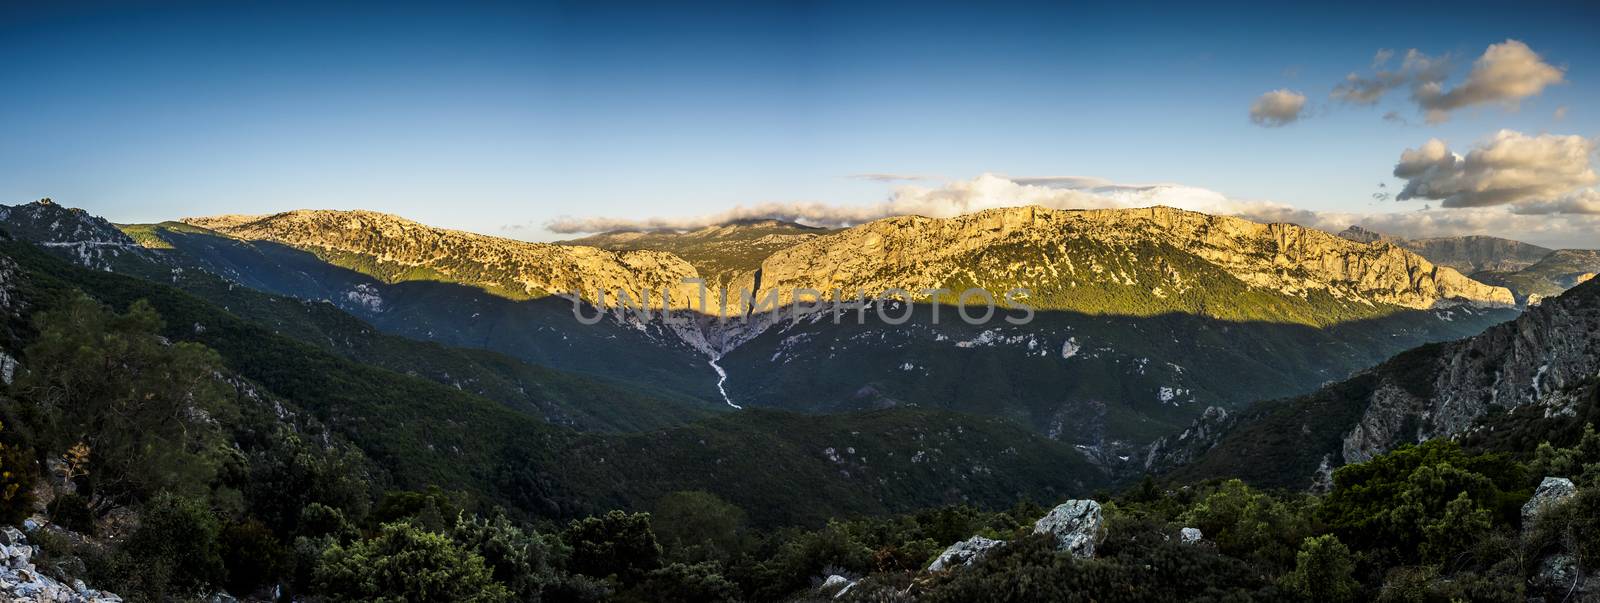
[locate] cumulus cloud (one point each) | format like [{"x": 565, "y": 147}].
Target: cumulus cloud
[
  {"x": 1523, "y": 222},
  {"x": 1506, "y": 73},
  {"x": 1507, "y": 168},
  {"x": 1415, "y": 68},
  {"x": 1278, "y": 108}
]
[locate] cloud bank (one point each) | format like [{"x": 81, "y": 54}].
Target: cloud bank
[
  {"x": 1278, "y": 108},
  {"x": 1507, "y": 168},
  {"x": 989, "y": 191}
]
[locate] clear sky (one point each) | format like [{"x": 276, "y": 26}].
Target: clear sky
[{"x": 486, "y": 115}]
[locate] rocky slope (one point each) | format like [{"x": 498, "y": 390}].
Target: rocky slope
[
  {"x": 1471, "y": 254},
  {"x": 1560, "y": 270},
  {"x": 1054, "y": 252},
  {"x": 397, "y": 249},
  {"x": 90, "y": 240},
  {"x": 719, "y": 252},
  {"x": 1544, "y": 359}
]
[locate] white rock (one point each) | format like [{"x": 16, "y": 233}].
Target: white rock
[
  {"x": 1552, "y": 491},
  {"x": 964, "y": 553},
  {"x": 1076, "y": 524},
  {"x": 1190, "y": 535}
]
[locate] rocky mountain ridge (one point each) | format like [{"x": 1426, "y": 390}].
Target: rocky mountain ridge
[
  {"x": 915, "y": 253},
  {"x": 401, "y": 249},
  {"x": 1540, "y": 360}
]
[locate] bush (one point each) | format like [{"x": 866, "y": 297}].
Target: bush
[
  {"x": 1323, "y": 571},
  {"x": 17, "y": 473},
  {"x": 519, "y": 559},
  {"x": 253, "y": 556},
  {"x": 698, "y": 526},
  {"x": 686, "y": 583},
  {"x": 405, "y": 563},
  {"x": 175, "y": 551},
  {"x": 615, "y": 544}
]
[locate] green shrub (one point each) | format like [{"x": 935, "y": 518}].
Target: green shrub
[
  {"x": 1323, "y": 571},
  {"x": 405, "y": 563}
]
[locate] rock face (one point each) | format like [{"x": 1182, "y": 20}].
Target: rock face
[
  {"x": 1543, "y": 359},
  {"x": 1077, "y": 526},
  {"x": 21, "y": 581},
  {"x": 1552, "y": 491},
  {"x": 1048, "y": 250},
  {"x": 964, "y": 553},
  {"x": 1200, "y": 436},
  {"x": 400, "y": 249},
  {"x": 89, "y": 240},
  {"x": 1475, "y": 253}
]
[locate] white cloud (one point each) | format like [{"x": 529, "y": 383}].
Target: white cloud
[
  {"x": 1507, "y": 168},
  {"x": 989, "y": 191},
  {"x": 1506, "y": 73},
  {"x": 1278, "y": 108}
]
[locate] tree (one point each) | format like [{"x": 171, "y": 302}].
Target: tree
[
  {"x": 615, "y": 544},
  {"x": 148, "y": 410},
  {"x": 517, "y": 558},
  {"x": 698, "y": 526},
  {"x": 16, "y": 475},
  {"x": 1248, "y": 524},
  {"x": 404, "y": 563},
  {"x": 1424, "y": 502},
  {"x": 1323, "y": 571},
  {"x": 175, "y": 551}
]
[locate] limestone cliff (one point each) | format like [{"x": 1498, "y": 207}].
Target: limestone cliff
[
  {"x": 398, "y": 249},
  {"x": 1042, "y": 249}
]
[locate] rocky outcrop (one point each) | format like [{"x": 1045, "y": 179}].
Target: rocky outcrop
[
  {"x": 1534, "y": 359},
  {"x": 964, "y": 553},
  {"x": 1076, "y": 525},
  {"x": 22, "y": 582},
  {"x": 1551, "y": 492},
  {"x": 1545, "y": 359},
  {"x": 89, "y": 240},
  {"x": 1174, "y": 450},
  {"x": 400, "y": 249}
]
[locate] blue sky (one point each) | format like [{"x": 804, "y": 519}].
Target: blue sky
[{"x": 481, "y": 116}]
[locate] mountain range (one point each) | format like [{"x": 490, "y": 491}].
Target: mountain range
[
  {"x": 1157, "y": 342},
  {"x": 1139, "y": 314},
  {"x": 1141, "y": 320}
]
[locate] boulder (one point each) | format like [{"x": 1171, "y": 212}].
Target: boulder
[
  {"x": 1552, "y": 491},
  {"x": 1077, "y": 526},
  {"x": 1560, "y": 573},
  {"x": 1190, "y": 536},
  {"x": 964, "y": 553},
  {"x": 836, "y": 585}
]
